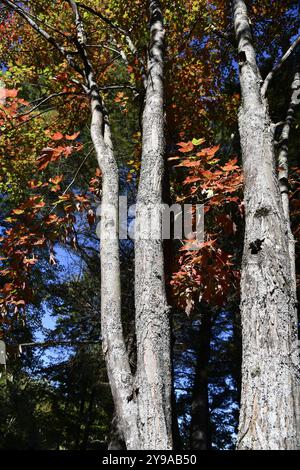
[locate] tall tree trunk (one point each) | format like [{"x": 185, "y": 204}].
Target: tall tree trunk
[
  {"x": 269, "y": 323},
  {"x": 200, "y": 437},
  {"x": 114, "y": 348},
  {"x": 152, "y": 312}
]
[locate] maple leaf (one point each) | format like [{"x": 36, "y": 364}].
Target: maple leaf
[
  {"x": 45, "y": 158},
  {"x": 40, "y": 241},
  {"x": 191, "y": 179},
  {"x": 81, "y": 198},
  {"x": 185, "y": 146},
  {"x": 198, "y": 141},
  {"x": 33, "y": 184},
  {"x": 208, "y": 152},
  {"x": 68, "y": 151},
  {"x": 190, "y": 163},
  {"x": 231, "y": 165}
]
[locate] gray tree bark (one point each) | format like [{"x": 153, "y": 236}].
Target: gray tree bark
[
  {"x": 114, "y": 348},
  {"x": 270, "y": 368},
  {"x": 283, "y": 173},
  {"x": 152, "y": 311},
  {"x": 142, "y": 401}
]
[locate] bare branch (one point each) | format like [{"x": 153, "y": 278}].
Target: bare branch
[
  {"x": 78, "y": 170},
  {"x": 44, "y": 100},
  {"x": 50, "y": 344},
  {"x": 275, "y": 69}
]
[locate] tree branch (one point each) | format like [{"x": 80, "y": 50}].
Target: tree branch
[
  {"x": 44, "y": 100},
  {"x": 275, "y": 69},
  {"x": 112, "y": 25},
  {"x": 44, "y": 34},
  {"x": 49, "y": 344}
]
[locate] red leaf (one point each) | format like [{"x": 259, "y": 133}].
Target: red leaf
[
  {"x": 190, "y": 163},
  {"x": 57, "y": 136},
  {"x": 73, "y": 136},
  {"x": 185, "y": 146},
  {"x": 231, "y": 165},
  {"x": 208, "y": 152},
  {"x": 191, "y": 179}
]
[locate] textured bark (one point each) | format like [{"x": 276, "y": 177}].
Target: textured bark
[
  {"x": 200, "y": 437},
  {"x": 283, "y": 173},
  {"x": 270, "y": 371},
  {"x": 152, "y": 312},
  {"x": 114, "y": 348},
  {"x": 116, "y": 437}
]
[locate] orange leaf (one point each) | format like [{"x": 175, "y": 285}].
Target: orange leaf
[
  {"x": 29, "y": 261},
  {"x": 208, "y": 152},
  {"x": 18, "y": 211},
  {"x": 185, "y": 146},
  {"x": 231, "y": 165},
  {"x": 57, "y": 136},
  {"x": 73, "y": 136},
  {"x": 57, "y": 179}
]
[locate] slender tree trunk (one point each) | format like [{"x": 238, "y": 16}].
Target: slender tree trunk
[
  {"x": 152, "y": 311},
  {"x": 269, "y": 323},
  {"x": 283, "y": 173},
  {"x": 200, "y": 436},
  {"x": 114, "y": 348}
]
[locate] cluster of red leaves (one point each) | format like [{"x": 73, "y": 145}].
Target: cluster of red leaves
[
  {"x": 56, "y": 152},
  {"x": 10, "y": 105},
  {"x": 208, "y": 272},
  {"x": 121, "y": 99},
  {"x": 35, "y": 227}
]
